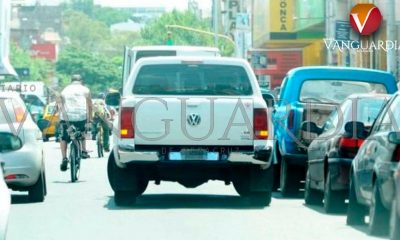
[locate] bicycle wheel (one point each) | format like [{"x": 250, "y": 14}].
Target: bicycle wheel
[
  {"x": 73, "y": 161},
  {"x": 100, "y": 150}
]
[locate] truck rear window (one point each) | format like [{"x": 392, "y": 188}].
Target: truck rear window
[
  {"x": 192, "y": 79},
  {"x": 335, "y": 91}
]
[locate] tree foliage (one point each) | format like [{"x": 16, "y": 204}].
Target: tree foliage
[
  {"x": 110, "y": 16},
  {"x": 155, "y": 33},
  {"x": 98, "y": 71},
  {"x": 85, "y": 32},
  {"x": 39, "y": 69}
]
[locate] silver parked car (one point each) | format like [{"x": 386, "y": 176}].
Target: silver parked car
[
  {"x": 5, "y": 202},
  {"x": 21, "y": 148}
]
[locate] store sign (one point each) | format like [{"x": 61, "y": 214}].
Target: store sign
[
  {"x": 282, "y": 15},
  {"x": 342, "y": 30},
  {"x": 232, "y": 8}
]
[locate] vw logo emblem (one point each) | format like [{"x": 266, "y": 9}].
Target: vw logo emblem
[{"x": 193, "y": 119}]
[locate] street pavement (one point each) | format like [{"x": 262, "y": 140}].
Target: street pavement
[{"x": 86, "y": 210}]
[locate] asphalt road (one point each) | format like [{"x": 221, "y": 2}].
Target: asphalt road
[{"x": 86, "y": 210}]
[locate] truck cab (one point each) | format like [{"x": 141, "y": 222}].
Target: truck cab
[{"x": 132, "y": 55}]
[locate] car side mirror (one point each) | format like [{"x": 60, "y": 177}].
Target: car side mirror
[
  {"x": 394, "y": 137},
  {"x": 269, "y": 99},
  {"x": 355, "y": 129},
  {"x": 311, "y": 127},
  {"x": 9, "y": 142},
  {"x": 113, "y": 99},
  {"x": 42, "y": 124}
]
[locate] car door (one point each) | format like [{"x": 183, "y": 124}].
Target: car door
[
  {"x": 371, "y": 152},
  {"x": 318, "y": 150}
]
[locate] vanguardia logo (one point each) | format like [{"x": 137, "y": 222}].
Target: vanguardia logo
[{"x": 365, "y": 18}]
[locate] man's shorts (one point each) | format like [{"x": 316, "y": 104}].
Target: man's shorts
[{"x": 63, "y": 127}]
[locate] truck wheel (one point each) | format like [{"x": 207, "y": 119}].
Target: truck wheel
[
  {"x": 394, "y": 222},
  {"x": 124, "y": 198},
  {"x": 124, "y": 179},
  {"x": 37, "y": 191},
  {"x": 289, "y": 182},
  {"x": 355, "y": 211},
  {"x": 378, "y": 215},
  {"x": 311, "y": 196},
  {"x": 334, "y": 201},
  {"x": 258, "y": 193},
  {"x": 260, "y": 199},
  {"x": 277, "y": 169}
]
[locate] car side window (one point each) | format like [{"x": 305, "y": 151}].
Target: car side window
[
  {"x": 332, "y": 121},
  {"x": 390, "y": 118}
]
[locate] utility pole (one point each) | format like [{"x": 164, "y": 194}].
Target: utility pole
[
  {"x": 391, "y": 31},
  {"x": 215, "y": 21}
]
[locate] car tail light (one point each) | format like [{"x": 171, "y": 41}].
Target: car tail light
[
  {"x": 348, "y": 147},
  {"x": 19, "y": 114},
  {"x": 16, "y": 176},
  {"x": 127, "y": 123},
  {"x": 396, "y": 154},
  {"x": 260, "y": 124},
  {"x": 290, "y": 122}
]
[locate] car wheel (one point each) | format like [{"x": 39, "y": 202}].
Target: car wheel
[
  {"x": 260, "y": 199},
  {"x": 355, "y": 211},
  {"x": 37, "y": 191},
  {"x": 394, "y": 223},
  {"x": 124, "y": 198},
  {"x": 311, "y": 196},
  {"x": 378, "y": 214},
  {"x": 289, "y": 183},
  {"x": 334, "y": 201}
]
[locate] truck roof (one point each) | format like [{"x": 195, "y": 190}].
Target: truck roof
[
  {"x": 174, "y": 48},
  {"x": 180, "y": 59}
]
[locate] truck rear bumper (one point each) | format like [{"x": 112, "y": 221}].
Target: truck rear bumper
[{"x": 126, "y": 154}]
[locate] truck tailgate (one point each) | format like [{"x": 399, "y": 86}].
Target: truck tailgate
[{"x": 194, "y": 121}]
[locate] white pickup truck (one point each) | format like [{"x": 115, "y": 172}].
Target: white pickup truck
[{"x": 190, "y": 120}]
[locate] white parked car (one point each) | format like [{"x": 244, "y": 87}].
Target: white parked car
[
  {"x": 21, "y": 148},
  {"x": 191, "y": 120},
  {"x": 5, "y": 201}
]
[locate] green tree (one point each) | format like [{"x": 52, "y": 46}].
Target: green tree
[
  {"x": 110, "y": 16},
  {"x": 155, "y": 33},
  {"x": 98, "y": 71},
  {"x": 85, "y": 32},
  {"x": 39, "y": 68},
  {"x": 85, "y": 6}
]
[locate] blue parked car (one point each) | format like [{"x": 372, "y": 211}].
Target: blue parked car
[{"x": 311, "y": 94}]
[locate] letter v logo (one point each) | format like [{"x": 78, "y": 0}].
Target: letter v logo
[{"x": 365, "y": 18}]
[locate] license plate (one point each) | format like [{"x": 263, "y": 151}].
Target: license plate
[{"x": 194, "y": 155}]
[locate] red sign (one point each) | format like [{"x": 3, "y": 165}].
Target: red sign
[{"x": 46, "y": 51}]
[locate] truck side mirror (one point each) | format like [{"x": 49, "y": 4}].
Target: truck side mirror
[
  {"x": 311, "y": 127},
  {"x": 269, "y": 99},
  {"x": 113, "y": 99}
]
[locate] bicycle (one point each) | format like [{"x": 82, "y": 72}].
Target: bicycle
[
  {"x": 75, "y": 152},
  {"x": 99, "y": 139}
]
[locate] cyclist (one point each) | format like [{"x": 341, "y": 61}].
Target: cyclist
[
  {"x": 75, "y": 104},
  {"x": 101, "y": 115}
]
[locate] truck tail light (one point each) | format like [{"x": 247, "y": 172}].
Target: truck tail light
[
  {"x": 396, "y": 155},
  {"x": 127, "y": 122},
  {"x": 260, "y": 124},
  {"x": 348, "y": 147}
]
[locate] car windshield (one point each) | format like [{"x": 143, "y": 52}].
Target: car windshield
[
  {"x": 335, "y": 91},
  {"x": 193, "y": 79}
]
